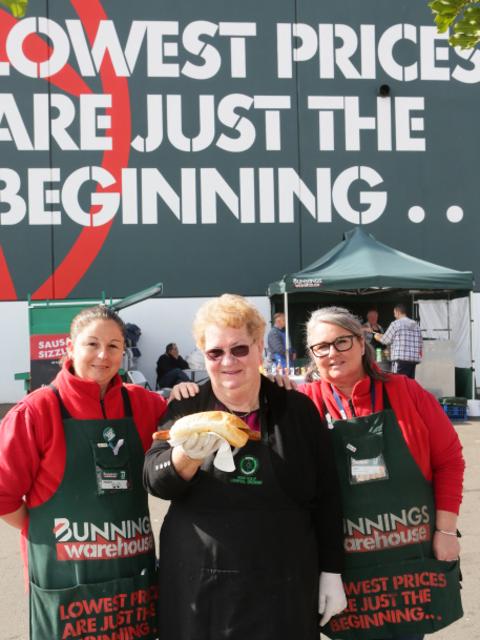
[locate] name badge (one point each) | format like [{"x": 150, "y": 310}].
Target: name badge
[
  {"x": 112, "y": 466},
  {"x": 368, "y": 470},
  {"x": 111, "y": 479}
]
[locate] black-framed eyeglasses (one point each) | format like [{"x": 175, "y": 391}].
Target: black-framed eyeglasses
[
  {"x": 238, "y": 351},
  {"x": 342, "y": 343}
]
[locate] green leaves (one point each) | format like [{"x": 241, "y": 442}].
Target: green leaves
[
  {"x": 466, "y": 32},
  {"x": 462, "y": 16},
  {"x": 17, "y": 7},
  {"x": 445, "y": 12}
]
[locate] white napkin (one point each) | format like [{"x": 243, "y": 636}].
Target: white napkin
[
  {"x": 223, "y": 460},
  {"x": 224, "y": 457}
]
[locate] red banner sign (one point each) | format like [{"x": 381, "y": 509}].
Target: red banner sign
[{"x": 48, "y": 346}]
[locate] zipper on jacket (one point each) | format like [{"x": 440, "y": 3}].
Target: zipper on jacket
[{"x": 103, "y": 408}]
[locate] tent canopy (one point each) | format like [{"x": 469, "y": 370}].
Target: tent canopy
[{"x": 360, "y": 262}]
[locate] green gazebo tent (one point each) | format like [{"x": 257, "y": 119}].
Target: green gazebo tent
[{"x": 362, "y": 266}]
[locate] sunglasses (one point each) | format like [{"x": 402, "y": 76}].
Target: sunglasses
[
  {"x": 239, "y": 351},
  {"x": 342, "y": 343}
]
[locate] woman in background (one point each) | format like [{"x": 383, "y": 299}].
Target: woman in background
[{"x": 371, "y": 327}]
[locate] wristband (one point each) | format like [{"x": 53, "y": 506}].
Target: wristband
[{"x": 449, "y": 533}]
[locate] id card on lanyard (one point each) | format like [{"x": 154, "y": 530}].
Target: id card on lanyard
[{"x": 366, "y": 459}]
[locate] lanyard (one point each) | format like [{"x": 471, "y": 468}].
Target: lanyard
[{"x": 339, "y": 404}]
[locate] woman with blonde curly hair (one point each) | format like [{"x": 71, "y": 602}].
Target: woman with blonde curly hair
[{"x": 255, "y": 552}]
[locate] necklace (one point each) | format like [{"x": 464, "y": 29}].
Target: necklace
[
  {"x": 245, "y": 414},
  {"x": 250, "y": 418},
  {"x": 239, "y": 414}
]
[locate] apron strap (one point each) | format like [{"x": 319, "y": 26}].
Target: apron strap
[
  {"x": 63, "y": 411},
  {"x": 127, "y": 405},
  {"x": 386, "y": 400}
]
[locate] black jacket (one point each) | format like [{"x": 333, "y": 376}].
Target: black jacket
[
  {"x": 166, "y": 363},
  {"x": 302, "y": 458}
]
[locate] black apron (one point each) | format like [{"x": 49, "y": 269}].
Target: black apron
[
  {"x": 91, "y": 554},
  {"x": 238, "y": 557},
  {"x": 394, "y": 585}
]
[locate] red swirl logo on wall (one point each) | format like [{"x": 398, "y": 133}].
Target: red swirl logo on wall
[{"x": 90, "y": 240}]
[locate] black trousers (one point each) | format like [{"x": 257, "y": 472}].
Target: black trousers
[
  {"x": 171, "y": 378},
  {"x": 404, "y": 366}
]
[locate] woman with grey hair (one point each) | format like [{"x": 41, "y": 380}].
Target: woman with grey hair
[
  {"x": 343, "y": 318},
  {"x": 401, "y": 469}
]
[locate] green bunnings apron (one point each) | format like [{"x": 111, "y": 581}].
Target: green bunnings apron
[
  {"x": 393, "y": 583},
  {"x": 90, "y": 548}
]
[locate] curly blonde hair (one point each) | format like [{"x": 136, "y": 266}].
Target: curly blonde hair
[{"x": 228, "y": 310}]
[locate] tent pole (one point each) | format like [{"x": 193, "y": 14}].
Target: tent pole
[
  {"x": 448, "y": 318},
  {"x": 287, "y": 338},
  {"x": 472, "y": 360}
]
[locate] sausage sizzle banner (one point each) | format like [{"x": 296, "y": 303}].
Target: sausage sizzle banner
[{"x": 218, "y": 145}]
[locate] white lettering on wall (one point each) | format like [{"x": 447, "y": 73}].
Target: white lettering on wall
[{"x": 279, "y": 191}]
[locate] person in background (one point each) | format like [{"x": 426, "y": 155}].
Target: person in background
[
  {"x": 405, "y": 340},
  {"x": 371, "y": 327},
  {"x": 401, "y": 469},
  {"x": 71, "y": 460},
  {"x": 276, "y": 342},
  {"x": 256, "y": 552},
  {"x": 170, "y": 367}
]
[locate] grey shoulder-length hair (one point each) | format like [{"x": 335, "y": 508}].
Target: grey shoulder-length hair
[{"x": 345, "y": 319}]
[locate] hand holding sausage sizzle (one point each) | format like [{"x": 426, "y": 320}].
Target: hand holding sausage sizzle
[{"x": 226, "y": 425}]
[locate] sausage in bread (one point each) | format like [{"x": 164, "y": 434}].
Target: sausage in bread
[{"x": 226, "y": 425}]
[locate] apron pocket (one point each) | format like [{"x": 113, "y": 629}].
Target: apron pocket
[
  {"x": 126, "y": 606},
  {"x": 405, "y": 598},
  {"x": 256, "y": 604},
  {"x": 366, "y": 461},
  {"x": 112, "y": 468},
  {"x": 368, "y": 446}
]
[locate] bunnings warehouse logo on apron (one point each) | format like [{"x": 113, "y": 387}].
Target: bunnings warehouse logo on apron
[
  {"x": 387, "y": 530},
  {"x": 89, "y": 541}
]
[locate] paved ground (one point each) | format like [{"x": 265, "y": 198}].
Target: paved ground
[{"x": 13, "y": 602}]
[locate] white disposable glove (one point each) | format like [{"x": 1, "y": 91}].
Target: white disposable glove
[
  {"x": 201, "y": 445},
  {"x": 331, "y": 598}
]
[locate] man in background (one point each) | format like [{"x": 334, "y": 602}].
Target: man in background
[
  {"x": 405, "y": 340},
  {"x": 170, "y": 367},
  {"x": 276, "y": 342}
]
